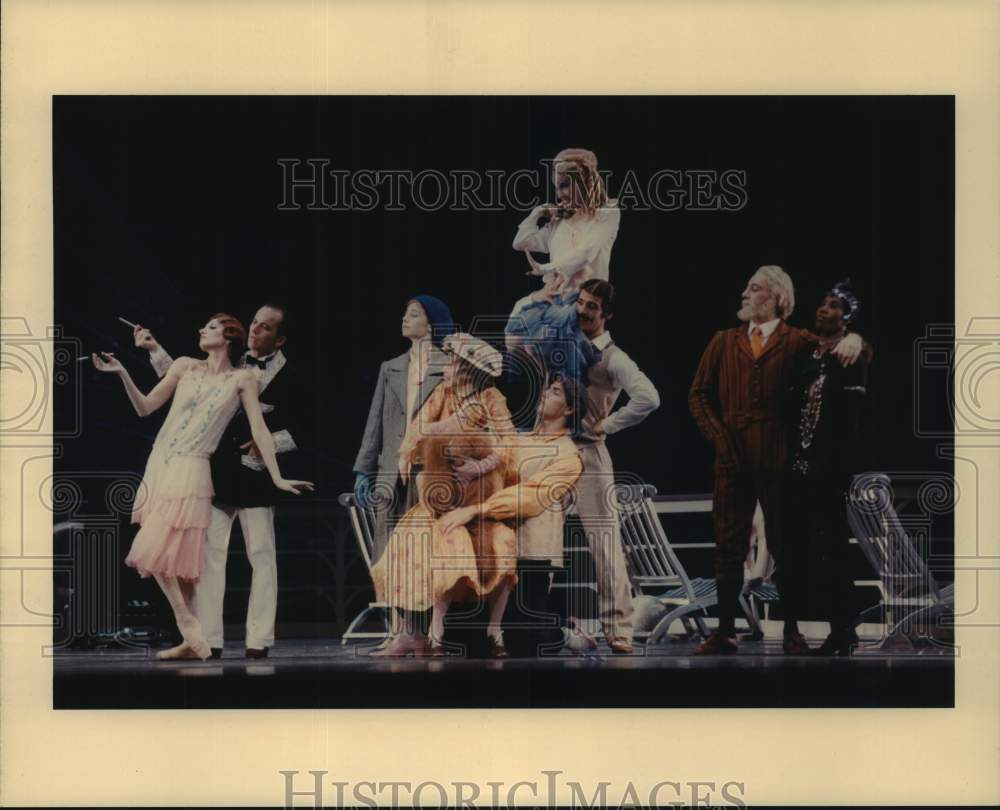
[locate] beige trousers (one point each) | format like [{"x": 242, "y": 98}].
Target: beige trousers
[
  {"x": 257, "y": 524},
  {"x": 597, "y": 508}
]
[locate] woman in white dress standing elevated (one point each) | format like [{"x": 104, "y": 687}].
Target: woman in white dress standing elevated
[{"x": 174, "y": 502}]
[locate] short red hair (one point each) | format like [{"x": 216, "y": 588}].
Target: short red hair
[{"x": 234, "y": 332}]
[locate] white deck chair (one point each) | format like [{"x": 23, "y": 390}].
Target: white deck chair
[
  {"x": 363, "y": 523},
  {"x": 655, "y": 569},
  {"x": 910, "y": 592}
]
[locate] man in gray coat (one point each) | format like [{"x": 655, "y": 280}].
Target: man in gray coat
[{"x": 404, "y": 383}]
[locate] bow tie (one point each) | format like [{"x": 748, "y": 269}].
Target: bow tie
[{"x": 250, "y": 361}]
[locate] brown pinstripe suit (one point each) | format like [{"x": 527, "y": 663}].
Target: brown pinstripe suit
[{"x": 742, "y": 406}]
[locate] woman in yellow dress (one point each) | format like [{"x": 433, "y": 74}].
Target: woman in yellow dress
[{"x": 456, "y": 446}]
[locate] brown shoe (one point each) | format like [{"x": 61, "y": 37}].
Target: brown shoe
[
  {"x": 716, "y": 645},
  {"x": 495, "y": 649},
  {"x": 795, "y": 644},
  {"x": 254, "y": 652},
  {"x": 621, "y": 646},
  {"x": 400, "y": 647}
]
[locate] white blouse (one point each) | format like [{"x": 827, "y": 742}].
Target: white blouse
[{"x": 572, "y": 243}]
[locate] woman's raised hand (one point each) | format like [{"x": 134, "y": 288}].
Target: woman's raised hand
[
  {"x": 107, "y": 362},
  {"x": 536, "y": 268},
  {"x": 556, "y": 284}
]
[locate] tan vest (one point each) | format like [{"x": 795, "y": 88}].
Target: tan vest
[{"x": 601, "y": 396}]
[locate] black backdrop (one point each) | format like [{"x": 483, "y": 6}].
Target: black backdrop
[{"x": 167, "y": 210}]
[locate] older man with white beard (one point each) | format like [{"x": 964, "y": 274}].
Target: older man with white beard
[{"x": 739, "y": 398}]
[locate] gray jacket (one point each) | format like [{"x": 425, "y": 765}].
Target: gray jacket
[{"x": 387, "y": 416}]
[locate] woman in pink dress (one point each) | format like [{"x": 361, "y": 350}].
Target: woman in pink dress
[{"x": 173, "y": 504}]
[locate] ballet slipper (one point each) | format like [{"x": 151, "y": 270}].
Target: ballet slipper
[
  {"x": 182, "y": 651},
  {"x": 194, "y": 640},
  {"x": 201, "y": 649}
]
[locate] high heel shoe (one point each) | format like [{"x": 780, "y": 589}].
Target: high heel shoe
[
  {"x": 400, "y": 647},
  {"x": 495, "y": 648},
  {"x": 839, "y": 642}
]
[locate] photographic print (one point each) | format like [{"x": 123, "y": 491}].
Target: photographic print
[
  {"x": 462, "y": 404},
  {"x": 533, "y": 451}
]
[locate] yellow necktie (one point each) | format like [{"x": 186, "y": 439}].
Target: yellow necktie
[{"x": 756, "y": 342}]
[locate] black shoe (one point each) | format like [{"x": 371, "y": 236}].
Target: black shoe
[
  {"x": 839, "y": 642},
  {"x": 216, "y": 652},
  {"x": 253, "y": 652}
]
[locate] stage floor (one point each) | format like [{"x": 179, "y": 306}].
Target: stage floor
[{"x": 325, "y": 674}]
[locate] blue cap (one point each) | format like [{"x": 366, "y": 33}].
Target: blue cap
[{"x": 438, "y": 317}]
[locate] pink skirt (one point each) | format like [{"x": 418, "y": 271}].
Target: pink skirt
[{"x": 173, "y": 507}]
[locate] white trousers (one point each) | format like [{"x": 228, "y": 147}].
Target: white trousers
[{"x": 257, "y": 524}]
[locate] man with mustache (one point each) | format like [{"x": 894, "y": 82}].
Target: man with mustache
[
  {"x": 739, "y": 398},
  {"x": 612, "y": 372}
]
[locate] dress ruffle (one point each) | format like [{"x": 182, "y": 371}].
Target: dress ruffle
[
  {"x": 551, "y": 331},
  {"x": 421, "y": 565},
  {"x": 173, "y": 508}
]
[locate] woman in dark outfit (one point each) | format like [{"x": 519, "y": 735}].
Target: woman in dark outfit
[{"x": 830, "y": 398}]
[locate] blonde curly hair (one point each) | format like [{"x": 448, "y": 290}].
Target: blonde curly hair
[{"x": 580, "y": 165}]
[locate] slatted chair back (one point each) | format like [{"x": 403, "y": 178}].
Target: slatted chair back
[
  {"x": 905, "y": 577},
  {"x": 652, "y": 561},
  {"x": 363, "y": 522}
]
